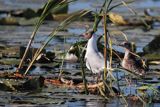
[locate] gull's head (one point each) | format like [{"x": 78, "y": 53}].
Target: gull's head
[{"x": 88, "y": 34}]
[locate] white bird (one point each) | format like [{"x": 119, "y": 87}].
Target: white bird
[{"x": 93, "y": 57}]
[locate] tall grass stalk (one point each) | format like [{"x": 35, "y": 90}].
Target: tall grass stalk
[
  {"x": 111, "y": 52},
  {"x": 102, "y": 92},
  {"x": 32, "y": 36},
  {"x": 108, "y": 88},
  {"x": 98, "y": 17},
  {"x": 110, "y": 55},
  {"x": 61, "y": 67},
  {"x": 48, "y": 8},
  {"x": 124, "y": 99},
  {"x": 105, "y": 12},
  {"x": 80, "y": 57},
  {"x": 141, "y": 99},
  {"x": 105, "y": 45}
]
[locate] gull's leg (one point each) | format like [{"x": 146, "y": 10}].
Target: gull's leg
[
  {"x": 98, "y": 77},
  {"x": 94, "y": 77}
]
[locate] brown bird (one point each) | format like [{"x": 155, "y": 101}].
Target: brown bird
[{"x": 130, "y": 62}]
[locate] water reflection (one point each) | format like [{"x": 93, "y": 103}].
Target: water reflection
[
  {"x": 95, "y": 104},
  {"x": 113, "y": 103}
]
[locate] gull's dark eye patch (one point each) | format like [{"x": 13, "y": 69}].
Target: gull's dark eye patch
[
  {"x": 125, "y": 44},
  {"x": 87, "y": 33}
]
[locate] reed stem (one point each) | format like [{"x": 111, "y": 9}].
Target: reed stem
[
  {"x": 33, "y": 35},
  {"x": 105, "y": 44},
  {"x": 82, "y": 69}
]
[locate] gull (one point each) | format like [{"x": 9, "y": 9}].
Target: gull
[
  {"x": 94, "y": 58},
  {"x": 130, "y": 62}
]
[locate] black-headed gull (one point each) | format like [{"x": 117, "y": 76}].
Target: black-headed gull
[{"x": 93, "y": 57}]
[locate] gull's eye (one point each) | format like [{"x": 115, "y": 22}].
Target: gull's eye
[{"x": 125, "y": 44}]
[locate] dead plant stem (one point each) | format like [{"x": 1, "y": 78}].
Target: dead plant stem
[{"x": 105, "y": 44}]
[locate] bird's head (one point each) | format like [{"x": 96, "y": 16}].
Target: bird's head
[
  {"x": 127, "y": 45},
  {"x": 88, "y": 34}
]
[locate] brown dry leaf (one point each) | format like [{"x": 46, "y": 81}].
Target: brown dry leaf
[
  {"x": 89, "y": 86},
  {"x": 18, "y": 75},
  {"x": 53, "y": 81},
  {"x": 117, "y": 19}
]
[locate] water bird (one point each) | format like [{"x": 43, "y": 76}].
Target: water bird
[
  {"x": 130, "y": 62},
  {"x": 73, "y": 52},
  {"x": 94, "y": 58},
  {"x": 151, "y": 12}
]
